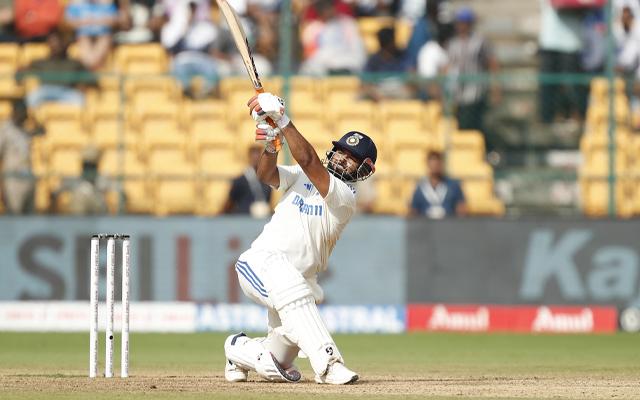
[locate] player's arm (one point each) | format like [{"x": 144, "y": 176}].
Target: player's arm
[
  {"x": 307, "y": 158},
  {"x": 268, "y": 170},
  {"x": 267, "y": 105}
]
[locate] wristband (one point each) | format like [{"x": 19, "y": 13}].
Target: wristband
[
  {"x": 270, "y": 147},
  {"x": 283, "y": 121}
]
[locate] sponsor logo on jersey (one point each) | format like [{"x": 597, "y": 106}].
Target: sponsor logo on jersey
[{"x": 305, "y": 208}]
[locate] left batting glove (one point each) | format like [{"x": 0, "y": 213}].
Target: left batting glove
[{"x": 267, "y": 105}]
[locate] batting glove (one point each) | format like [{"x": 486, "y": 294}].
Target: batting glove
[
  {"x": 267, "y": 105},
  {"x": 267, "y": 134}
]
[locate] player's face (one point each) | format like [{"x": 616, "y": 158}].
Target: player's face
[{"x": 344, "y": 162}]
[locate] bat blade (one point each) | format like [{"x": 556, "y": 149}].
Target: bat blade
[{"x": 240, "y": 39}]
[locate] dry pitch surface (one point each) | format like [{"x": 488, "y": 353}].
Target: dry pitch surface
[{"x": 52, "y": 366}]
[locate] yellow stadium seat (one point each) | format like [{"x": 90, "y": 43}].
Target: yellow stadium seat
[
  {"x": 213, "y": 195},
  {"x": 595, "y": 151},
  {"x": 114, "y": 162},
  {"x": 220, "y": 160},
  {"x": 148, "y": 87},
  {"x": 175, "y": 196},
  {"x": 595, "y": 197},
  {"x": 31, "y": 52},
  {"x": 235, "y": 84},
  {"x": 9, "y": 87},
  {"x": 208, "y": 110},
  {"x": 312, "y": 127},
  {"x": 42, "y": 198},
  {"x": 141, "y": 59},
  {"x": 66, "y": 161},
  {"x": 355, "y": 112},
  {"x": 5, "y": 109},
  {"x": 305, "y": 91},
  {"x": 407, "y": 132},
  {"x": 432, "y": 113},
  {"x": 404, "y": 29},
  {"x": 169, "y": 162},
  {"x": 163, "y": 138},
  {"x": 480, "y": 198},
  {"x": 411, "y": 160},
  {"x": 340, "y": 89},
  {"x": 8, "y": 58},
  {"x": 155, "y": 116},
  {"x": 138, "y": 197},
  {"x": 387, "y": 199},
  {"x": 600, "y": 88}
]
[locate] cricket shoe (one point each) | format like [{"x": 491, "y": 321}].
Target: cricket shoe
[
  {"x": 233, "y": 373},
  {"x": 337, "y": 374}
]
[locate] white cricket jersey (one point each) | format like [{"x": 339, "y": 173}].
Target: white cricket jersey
[{"x": 305, "y": 226}]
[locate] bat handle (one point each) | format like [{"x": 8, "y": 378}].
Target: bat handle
[{"x": 277, "y": 142}]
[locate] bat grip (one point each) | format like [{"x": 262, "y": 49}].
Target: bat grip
[{"x": 277, "y": 142}]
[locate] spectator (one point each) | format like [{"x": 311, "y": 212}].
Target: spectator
[
  {"x": 190, "y": 39},
  {"x": 35, "y": 19},
  {"x": 6, "y": 21},
  {"x": 388, "y": 60},
  {"x": 470, "y": 55},
  {"x": 432, "y": 58},
  {"x": 61, "y": 78},
  {"x": 248, "y": 195},
  {"x": 312, "y": 12},
  {"x": 376, "y": 8},
  {"x": 134, "y": 18},
  {"x": 436, "y": 23},
  {"x": 16, "y": 179},
  {"x": 93, "y": 21},
  {"x": 433, "y": 62},
  {"x": 332, "y": 44},
  {"x": 627, "y": 35},
  {"x": 88, "y": 191},
  {"x": 437, "y": 196},
  {"x": 560, "y": 43}
]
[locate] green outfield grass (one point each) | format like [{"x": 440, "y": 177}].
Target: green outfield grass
[{"x": 175, "y": 366}]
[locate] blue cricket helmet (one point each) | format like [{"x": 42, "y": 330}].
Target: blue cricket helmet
[
  {"x": 362, "y": 147},
  {"x": 358, "y": 144}
]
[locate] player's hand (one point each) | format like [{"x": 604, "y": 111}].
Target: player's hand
[
  {"x": 266, "y": 133},
  {"x": 267, "y": 105}
]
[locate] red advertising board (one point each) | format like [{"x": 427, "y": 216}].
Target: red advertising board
[
  {"x": 577, "y": 4},
  {"x": 526, "y": 319}
]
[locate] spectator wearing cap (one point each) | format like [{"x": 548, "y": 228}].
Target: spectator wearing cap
[
  {"x": 437, "y": 196},
  {"x": 470, "y": 59}
]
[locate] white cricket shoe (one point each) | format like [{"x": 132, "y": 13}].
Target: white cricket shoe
[
  {"x": 233, "y": 373},
  {"x": 337, "y": 374}
]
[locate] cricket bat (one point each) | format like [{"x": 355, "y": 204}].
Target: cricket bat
[{"x": 240, "y": 39}]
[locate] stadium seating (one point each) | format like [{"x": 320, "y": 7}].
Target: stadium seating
[
  {"x": 141, "y": 59},
  {"x": 164, "y": 135}
]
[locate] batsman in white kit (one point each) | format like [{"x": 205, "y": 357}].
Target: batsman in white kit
[{"x": 280, "y": 269}]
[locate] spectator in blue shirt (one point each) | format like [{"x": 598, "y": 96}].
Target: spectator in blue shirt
[
  {"x": 387, "y": 61},
  {"x": 93, "y": 21},
  {"x": 438, "y": 196}
]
